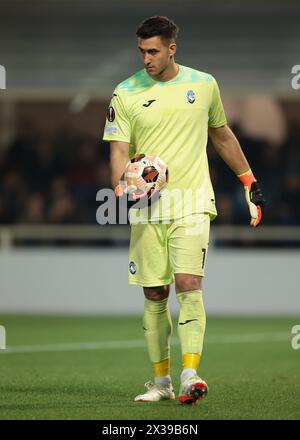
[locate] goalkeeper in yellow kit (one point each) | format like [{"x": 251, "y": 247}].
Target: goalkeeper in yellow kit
[{"x": 168, "y": 110}]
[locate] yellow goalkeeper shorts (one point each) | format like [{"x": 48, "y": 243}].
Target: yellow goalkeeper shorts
[{"x": 158, "y": 251}]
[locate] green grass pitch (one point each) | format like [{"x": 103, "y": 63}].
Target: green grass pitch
[{"x": 52, "y": 372}]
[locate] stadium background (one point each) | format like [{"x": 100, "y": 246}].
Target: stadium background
[{"x": 62, "y": 61}]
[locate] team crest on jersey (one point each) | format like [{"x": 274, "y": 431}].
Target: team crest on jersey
[
  {"x": 132, "y": 267},
  {"x": 191, "y": 96},
  {"x": 111, "y": 114}
]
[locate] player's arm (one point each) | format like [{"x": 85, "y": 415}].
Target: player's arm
[
  {"x": 228, "y": 147},
  {"x": 117, "y": 132},
  {"x": 119, "y": 156}
]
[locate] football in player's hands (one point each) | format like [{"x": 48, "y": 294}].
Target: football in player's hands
[{"x": 144, "y": 178}]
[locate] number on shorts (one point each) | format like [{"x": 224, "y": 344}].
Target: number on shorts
[{"x": 203, "y": 258}]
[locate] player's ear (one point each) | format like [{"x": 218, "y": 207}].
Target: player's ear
[{"x": 172, "y": 49}]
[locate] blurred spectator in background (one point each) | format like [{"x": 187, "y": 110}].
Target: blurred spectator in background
[
  {"x": 62, "y": 205},
  {"x": 225, "y": 209},
  {"x": 34, "y": 210},
  {"x": 14, "y": 194},
  {"x": 46, "y": 165}
]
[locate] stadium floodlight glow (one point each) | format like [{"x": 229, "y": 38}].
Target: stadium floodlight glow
[
  {"x": 2, "y": 338},
  {"x": 2, "y": 77}
]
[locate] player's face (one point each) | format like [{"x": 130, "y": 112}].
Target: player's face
[{"x": 156, "y": 54}]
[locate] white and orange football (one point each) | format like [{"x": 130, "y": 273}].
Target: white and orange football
[{"x": 145, "y": 175}]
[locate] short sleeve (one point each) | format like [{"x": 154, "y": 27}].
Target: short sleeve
[
  {"x": 216, "y": 115},
  {"x": 117, "y": 125}
]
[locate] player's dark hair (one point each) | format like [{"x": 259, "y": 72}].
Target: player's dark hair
[{"x": 158, "y": 26}]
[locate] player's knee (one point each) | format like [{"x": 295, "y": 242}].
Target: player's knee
[
  {"x": 157, "y": 293},
  {"x": 186, "y": 282}
]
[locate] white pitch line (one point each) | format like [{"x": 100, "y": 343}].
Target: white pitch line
[
  {"x": 133, "y": 343},
  {"x": 139, "y": 343}
]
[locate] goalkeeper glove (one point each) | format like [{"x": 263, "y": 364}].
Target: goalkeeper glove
[
  {"x": 120, "y": 189},
  {"x": 146, "y": 198},
  {"x": 254, "y": 197},
  {"x": 122, "y": 195}
]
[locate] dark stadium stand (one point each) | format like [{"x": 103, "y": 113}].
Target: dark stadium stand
[{"x": 247, "y": 45}]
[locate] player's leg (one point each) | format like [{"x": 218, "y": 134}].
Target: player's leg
[
  {"x": 157, "y": 325},
  {"x": 191, "y": 329},
  {"x": 188, "y": 247},
  {"x": 149, "y": 267}
]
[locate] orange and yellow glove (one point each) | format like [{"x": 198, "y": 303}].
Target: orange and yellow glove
[
  {"x": 120, "y": 189},
  {"x": 151, "y": 195},
  {"x": 254, "y": 197}
]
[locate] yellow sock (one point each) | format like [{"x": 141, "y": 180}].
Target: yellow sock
[
  {"x": 162, "y": 368},
  {"x": 191, "y": 360}
]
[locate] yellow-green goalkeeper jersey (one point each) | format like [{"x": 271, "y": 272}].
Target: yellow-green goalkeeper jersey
[{"x": 170, "y": 120}]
